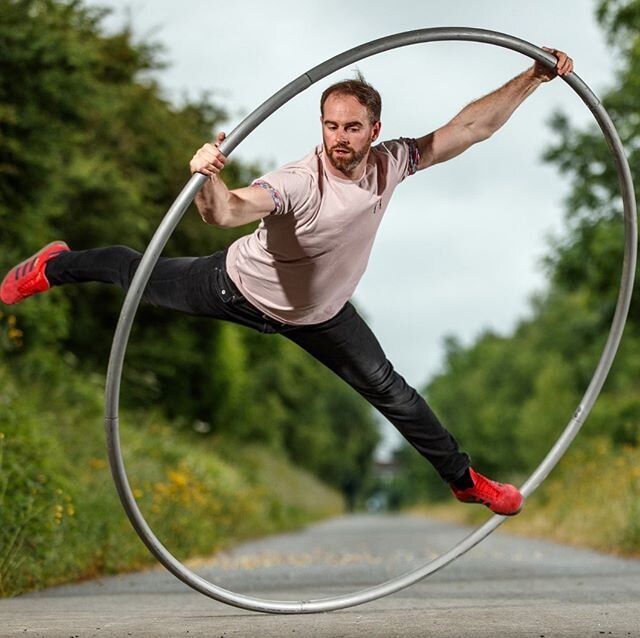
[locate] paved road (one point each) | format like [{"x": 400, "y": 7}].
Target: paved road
[{"x": 506, "y": 587}]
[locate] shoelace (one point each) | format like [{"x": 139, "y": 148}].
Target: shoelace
[
  {"x": 29, "y": 284},
  {"x": 485, "y": 487}
]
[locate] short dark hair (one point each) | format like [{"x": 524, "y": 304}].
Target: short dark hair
[{"x": 361, "y": 90}]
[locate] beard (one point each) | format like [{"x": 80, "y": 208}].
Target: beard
[{"x": 345, "y": 162}]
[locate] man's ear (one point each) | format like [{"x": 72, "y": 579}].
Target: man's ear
[{"x": 376, "y": 130}]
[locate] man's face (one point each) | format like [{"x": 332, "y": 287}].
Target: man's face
[{"x": 347, "y": 132}]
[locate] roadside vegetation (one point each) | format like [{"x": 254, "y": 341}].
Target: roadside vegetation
[
  {"x": 590, "y": 500},
  {"x": 61, "y": 517},
  {"x": 216, "y": 418}
]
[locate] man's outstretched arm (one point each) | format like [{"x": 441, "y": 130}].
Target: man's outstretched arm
[
  {"x": 217, "y": 204},
  {"x": 480, "y": 119}
]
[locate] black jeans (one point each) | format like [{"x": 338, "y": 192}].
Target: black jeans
[{"x": 345, "y": 344}]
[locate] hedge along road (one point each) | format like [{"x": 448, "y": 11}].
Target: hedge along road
[{"x": 506, "y": 586}]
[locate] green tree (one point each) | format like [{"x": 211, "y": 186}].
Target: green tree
[{"x": 93, "y": 152}]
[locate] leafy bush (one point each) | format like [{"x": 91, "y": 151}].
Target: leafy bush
[{"x": 60, "y": 518}]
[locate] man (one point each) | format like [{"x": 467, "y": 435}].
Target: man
[{"x": 294, "y": 275}]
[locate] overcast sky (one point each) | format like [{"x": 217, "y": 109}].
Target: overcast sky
[{"x": 459, "y": 250}]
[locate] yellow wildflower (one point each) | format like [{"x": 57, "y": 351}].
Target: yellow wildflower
[{"x": 178, "y": 478}]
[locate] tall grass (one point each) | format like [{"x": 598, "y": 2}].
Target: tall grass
[
  {"x": 60, "y": 518},
  {"x": 592, "y": 499}
]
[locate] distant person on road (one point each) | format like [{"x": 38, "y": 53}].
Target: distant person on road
[{"x": 294, "y": 275}]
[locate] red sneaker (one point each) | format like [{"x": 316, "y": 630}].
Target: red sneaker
[
  {"x": 28, "y": 278},
  {"x": 500, "y": 498}
]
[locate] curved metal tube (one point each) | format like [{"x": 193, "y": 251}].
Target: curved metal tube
[{"x": 175, "y": 213}]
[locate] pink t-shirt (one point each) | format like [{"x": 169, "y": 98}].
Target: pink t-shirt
[{"x": 304, "y": 261}]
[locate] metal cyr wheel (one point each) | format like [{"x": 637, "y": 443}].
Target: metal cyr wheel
[{"x": 175, "y": 213}]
